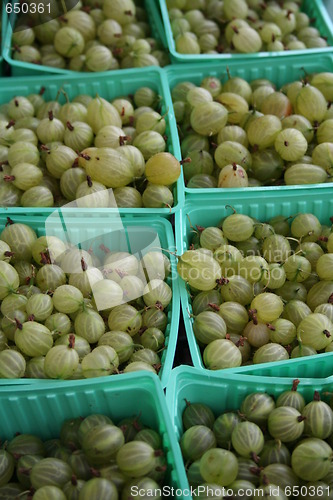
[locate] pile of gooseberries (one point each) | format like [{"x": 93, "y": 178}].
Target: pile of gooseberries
[
  {"x": 93, "y": 36},
  {"x": 92, "y": 458},
  {"x": 242, "y": 26},
  {"x": 237, "y": 134},
  {"x": 69, "y": 313},
  {"x": 99, "y": 153},
  {"x": 260, "y": 291},
  {"x": 267, "y": 445}
]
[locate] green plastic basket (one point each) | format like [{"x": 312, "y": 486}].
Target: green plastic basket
[
  {"x": 124, "y": 83},
  {"x": 42, "y": 411},
  {"x": 320, "y": 366},
  {"x": 3, "y": 33},
  {"x": 207, "y": 212},
  {"x": 19, "y": 68},
  {"x": 227, "y": 393},
  {"x": 279, "y": 71},
  {"x": 314, "y": 8},
  {"x": 328, "y": 4},
  {"x": 156, "y": 21},
  {"x": 130, "y": 234}
]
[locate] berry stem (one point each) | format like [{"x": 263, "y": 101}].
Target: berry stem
[
  {"x": 45, "y": 257},
  {"x": 161, "y": 468},
  {"x": 157, "y": 367},
  {"x": 123, "y": 139},
  {"x": 316, "y": 396},
  {"x": 104, "y": 249},
  {"x": 265, "y": 481},
  {"x": 69, "y": 126},
  {"x": 142, "y": 330},
  {"x": 232, "y": 208},
  {"x": 18, "y": 324},
  {"x": 253, "y": 315},
  {"x": 256, "y": 471},
  {"x": 222, "y": 281},
  {"x": 95, "y": 472},
  {"x": 159, "y": 306},
  {"x": 240, "y": 342},
  {"x": 295, "y": 384},
  {"x": 24, "y": 470},
  {"x": 10, "y": 124},
  {"x": 71, "y": 341},
  {"x": 84, "y": 265},
  {"x": 83, "y": 155}
]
